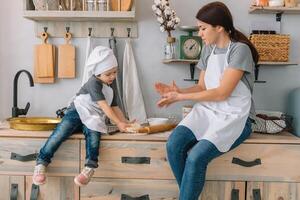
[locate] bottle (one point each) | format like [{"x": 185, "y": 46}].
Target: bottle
[
  {"x": 102, "y": 5},
  {"x": 169, "y": 48},
  {"x": 90, "y": 5}
]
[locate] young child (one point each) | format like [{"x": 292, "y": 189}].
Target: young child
[{"x": 92, "y": 104}]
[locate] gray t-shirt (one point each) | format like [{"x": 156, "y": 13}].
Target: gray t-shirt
[
  {"x": 239, "y": 57},
  {"x": 93, "y": 87}
]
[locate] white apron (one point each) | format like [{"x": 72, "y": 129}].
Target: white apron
[
  {"x": 90, "y": 113},
  {"x": 219, "y": 122}
]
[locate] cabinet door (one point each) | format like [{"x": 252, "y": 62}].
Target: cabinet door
[
  {"x": 17, "y": 157},
  {"x": 273, "y": 191},
  {"x": 223, "y": 190},
  {"x": 12, "y": 187},
  {"x": 56, "y": 188}
]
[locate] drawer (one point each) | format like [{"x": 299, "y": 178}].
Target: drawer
[
  {"x": 14, "y": 157},
  {"x": 258, "y": 162},
  {"x": 131, "y": 159},
  {"x": 124, "y": 189}
]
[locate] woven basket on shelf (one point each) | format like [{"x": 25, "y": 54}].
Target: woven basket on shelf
[{"x": 272, "y": 47}]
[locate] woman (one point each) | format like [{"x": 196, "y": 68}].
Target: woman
[{"x": 221, "y": 118}]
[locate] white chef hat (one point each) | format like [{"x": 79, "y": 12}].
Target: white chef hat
[{"x": 100, "y": 60}]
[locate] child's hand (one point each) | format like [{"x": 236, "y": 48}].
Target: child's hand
[{"x": 123, "y": 126}]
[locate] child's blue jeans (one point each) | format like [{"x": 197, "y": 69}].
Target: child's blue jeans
[
  {"x": 69, "y": 125},
  {"x": 189, "y": 158}
]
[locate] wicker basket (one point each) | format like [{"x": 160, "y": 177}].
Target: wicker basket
[{"x": 272, "y": 47}]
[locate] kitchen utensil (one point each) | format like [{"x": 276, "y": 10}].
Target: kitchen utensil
[
  {"x": 262, "y": 2},
  {"x": 66, "y": 58},
  {"x": 156, "y": 128},
  {"x": 44, "y": 59},
  {"x": 290, "y": 3},
  {"x": 121, "y": 5},
  {"x": 157, "y": 121},
  {"x": 33, "y": 123},
  {"x": 276, "y": 3}
]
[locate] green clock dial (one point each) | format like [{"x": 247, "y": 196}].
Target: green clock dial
[{"x": 191, "y": 48}]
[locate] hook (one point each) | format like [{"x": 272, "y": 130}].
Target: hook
[
  {"x": 45, "y": 29},
  {"x": 90, "y": 31},
  {"x": 67, "y": 29},
  {"x": 128, "y": 32},
  {"x": 112, "y": 31}
]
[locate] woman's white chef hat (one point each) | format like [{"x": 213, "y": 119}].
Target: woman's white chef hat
[{"x": 100, "y": 60}]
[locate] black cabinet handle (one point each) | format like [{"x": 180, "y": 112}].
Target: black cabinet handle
[
  {"x": 14, "y": 192},
  {"x": 136, "y": 160},
  {"x": 235, "y": 194},
  {"x": 246, "y": 163},
  {"x": 26, "y": 158},
  {"x": 127, "y": 197},
  {"x": 35, "y": 189},
  {"x": 256, "y": 194}
]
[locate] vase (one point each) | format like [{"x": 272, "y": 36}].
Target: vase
[{"x": 169, "y": 48}]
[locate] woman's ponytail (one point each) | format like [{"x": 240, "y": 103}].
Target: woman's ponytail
[{"x": 217, "y": 14}]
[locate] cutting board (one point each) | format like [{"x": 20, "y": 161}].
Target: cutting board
[
  {"x": 66, "y": 59},
  {"x": 44, "y": 61},
  {"x": 121, "y": 5}
]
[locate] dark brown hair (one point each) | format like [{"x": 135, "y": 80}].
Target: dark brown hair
[{"x": 217, "y": 14}]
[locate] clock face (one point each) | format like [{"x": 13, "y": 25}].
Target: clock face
[{"x": 191, "y": 48}]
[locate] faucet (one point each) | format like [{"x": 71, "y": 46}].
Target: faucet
[{"x": 15, "y": 110}]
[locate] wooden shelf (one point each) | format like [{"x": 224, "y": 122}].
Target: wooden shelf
[
  {"x": 276, "y": 63},
  {"x": 261, "y": 10},
  {"x": 79, "y": 15},
  {"x": 167, "y": 61}
]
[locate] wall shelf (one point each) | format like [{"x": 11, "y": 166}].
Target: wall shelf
[
  {"x": 276, "y": 63},
  {"x": 192, "y": 64},
  {"x": 167, "y": 61},
  {"x": 262, "y": 10},
  {"x": 79, "y": 15},
  {"x": 79, "y": 22}
]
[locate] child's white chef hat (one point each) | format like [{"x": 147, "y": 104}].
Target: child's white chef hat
[{"x": 100, "y": 60}]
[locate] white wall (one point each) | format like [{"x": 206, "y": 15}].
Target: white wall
[{"x": 16, "y": 52}]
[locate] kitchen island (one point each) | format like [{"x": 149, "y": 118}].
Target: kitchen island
[{"x": 134, "y": 166}]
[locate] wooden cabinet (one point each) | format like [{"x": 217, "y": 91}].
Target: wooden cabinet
[
  {"x": 58, "y": 188},
  {"x": 12, "y": 187},
  {"x": 18, "y": 155},
  {"x": 134, "y": 166},
  {"x": 273, "y": 191}
]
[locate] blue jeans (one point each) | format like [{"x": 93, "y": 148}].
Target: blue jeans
[
  {"x": 189, "y": 158},
  {"x": 69, "y": 125}
]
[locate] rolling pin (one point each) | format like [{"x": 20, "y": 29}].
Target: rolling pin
[{"x": 156, "y": 128}]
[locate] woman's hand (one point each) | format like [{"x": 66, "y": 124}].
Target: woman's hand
[
  {"x": 162, "y": 88},
  {"x": 168, "y": 98}
]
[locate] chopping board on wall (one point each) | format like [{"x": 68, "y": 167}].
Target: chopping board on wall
[
  {"x": 44, "y": 61},
  {"x": 121, "y": 5},
  {"x": 66, "y": 59}
]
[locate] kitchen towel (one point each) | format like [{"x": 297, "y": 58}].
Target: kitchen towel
[
  {"x": 132, "y": 93},
  {"x": 89, "y": 47},
  {"x": 112, "y": 42}
]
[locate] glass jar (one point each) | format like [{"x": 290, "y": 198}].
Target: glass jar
[
  {"x": 90, "y": 5},
  {"x": 102, "y": 5},
  {"x": 169, "y": 48}
]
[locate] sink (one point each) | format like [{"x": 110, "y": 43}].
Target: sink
[{"x": 33, "y": 123}]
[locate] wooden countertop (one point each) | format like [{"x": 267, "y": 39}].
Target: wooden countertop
[{"x": 282, "y": 138}]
